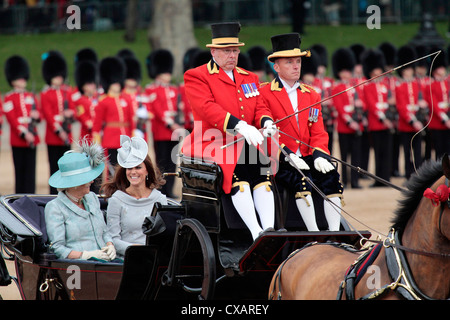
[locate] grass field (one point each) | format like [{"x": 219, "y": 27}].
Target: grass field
[{"x": 106, "y": 43}]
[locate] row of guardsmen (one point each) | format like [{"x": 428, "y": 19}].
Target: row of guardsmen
[{"x": 108, "y": 100}]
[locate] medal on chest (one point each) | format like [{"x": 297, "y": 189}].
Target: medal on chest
[
  {"x": 250, "y": 90},
  {"x": 313, "y": 116}
]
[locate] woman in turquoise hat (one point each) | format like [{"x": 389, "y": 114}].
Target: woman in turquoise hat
[
  {"x": 75, "y": 224},
  {"x": 131, "y": 193}
]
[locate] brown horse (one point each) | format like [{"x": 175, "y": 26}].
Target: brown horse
[{"x": 412, "y": 263}]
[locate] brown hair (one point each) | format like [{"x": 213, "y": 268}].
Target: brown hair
[{"x": 120, "y": 182}]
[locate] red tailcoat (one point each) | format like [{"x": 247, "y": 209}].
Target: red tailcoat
[
  {"x": 113, "y": 117},
  {"x": 84, "y": 107},
  {"x": 163, "y": 106},
  {"x": 308, "y": 129},
  {"x": 375, "y": 100},
  {"x": 439, "y": 102},
  {"x": 53, "y": 102},
  {"x": 218, "y": 104},
  {"x": 407, "y": 98},
  {"x": 17, "y": 107}
]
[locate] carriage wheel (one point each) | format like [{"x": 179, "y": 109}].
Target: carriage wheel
[{"x": 193, "y": 263}]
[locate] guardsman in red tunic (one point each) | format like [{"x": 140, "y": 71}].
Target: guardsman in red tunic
[
  {"x": 114, "y": 113},
  {"x": 85, "y": 99},
  {"x": 225, "y": 101},
  {"x": 380, "y": 126},
  {"x": 306, "y": 140},
  {"x": 407, "y": 98},
  {"x": 56, "y": 109},
  {"x": 349, "y": 113},
  {"x": 438, "y": 104},
  {"x": 167, "y": 124},
  {"x": 134, "y": 93},
  {"x": 22, "y": 115}
]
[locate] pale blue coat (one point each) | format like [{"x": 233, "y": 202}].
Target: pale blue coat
[{"x": 72, "y": 228}]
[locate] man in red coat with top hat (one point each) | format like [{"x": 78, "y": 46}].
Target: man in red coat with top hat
[
  {"x": 306, "y": 140},
  {"x": 225, "y": 101}
]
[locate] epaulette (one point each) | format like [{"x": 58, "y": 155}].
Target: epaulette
[
  {"x": 241, "y": 71},
  {"x": 306, "y": 88},
  {"x": 212, "y": 67},
  {"x": 262, "y": 84}
]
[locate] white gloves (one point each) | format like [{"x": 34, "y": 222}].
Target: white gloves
[
  {"x": 322, "y": 165},
  {"x": 107, "y": 253},
  {"x": 250, "y": 133},
  {"x": 110, "y": 250},
  {"x": 99, "y": 254},
  {"x": 298, "y": 162},
  {"x": 269, "y": 128}
]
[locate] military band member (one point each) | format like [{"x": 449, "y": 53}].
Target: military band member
[
  {"x": 350, "y": 113},
  {"x": 375, "y": 98},
  {"x": 22, "y": 115},
  {"x": 163, "y": 101},
  {"x": 114, "y": 113},
  {"x": 438, "y": 103},
  {"x": 284, "y": 96},
  {"x": 56, "y": 109},
  {"x": 225, "y": 101}
]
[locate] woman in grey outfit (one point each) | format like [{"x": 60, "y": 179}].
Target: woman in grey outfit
[{"x": 131, "y": 193}]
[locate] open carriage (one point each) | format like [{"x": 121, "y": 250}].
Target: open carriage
[{"x": 196, "y": 248}]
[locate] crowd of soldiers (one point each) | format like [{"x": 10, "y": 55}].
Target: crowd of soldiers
[{"x": 404, "y": 110}]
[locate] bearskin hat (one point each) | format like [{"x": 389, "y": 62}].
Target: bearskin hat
[
  {"x": 244, "y": 61},
  {"x": 53, "y": 65},
  {"x": 125, "y": 53},
  {"x": 389, "y": 52},
  {"x": 188, "y": 58},
  {"x": 85, "y": 54},
  {"x": 112, "y": 70},
  {"x": 159, "y": 61},
  {"x": 85, "y": 72},
  {"x": 322, "y": 52},
  {"x": 421, "y": 51},
  {"x": 342, "y": 59},
  {"x": 133, "y": 68},
  {"x": 405, "y": 54},
  {"x": 310, "y": 66},
  {"x": 372, "y": 59},
  {"x": 16, "y": 67},
  {"x": 441, "y": 59},
  {"x": 201, "y": 57},
  {"x": 357, "y": 50},
  {"x": 258, "y": 56}
]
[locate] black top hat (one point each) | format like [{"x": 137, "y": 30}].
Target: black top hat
[
  {"x": 85, "y": 72},
  {"x": 16, "y": 67},
  {"x": 53, "y": 65},
  {"x": 372, "y": 59},
  {"x": 287, "y": 46},
  {"x": 225, "y": 34},
  {"x": 405, "y": 54},
  {"x": 159, "y": 61},
  {"x": 112, "y": 70},
  {"x": 342, "y": 59}
]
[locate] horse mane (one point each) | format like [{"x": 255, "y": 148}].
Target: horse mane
[{"x": 426, "y": 175}]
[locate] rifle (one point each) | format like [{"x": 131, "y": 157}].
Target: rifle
[{"x": 67, "y": 120}]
